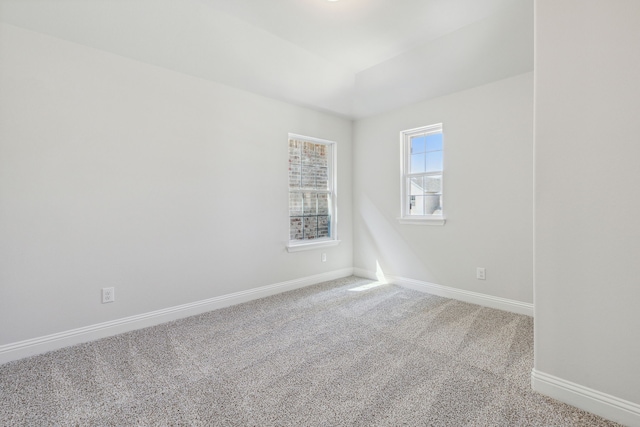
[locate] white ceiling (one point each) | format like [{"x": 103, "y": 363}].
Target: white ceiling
[
  {"x": 359, "y": 34},
  {"x": 355, "y": 58}
]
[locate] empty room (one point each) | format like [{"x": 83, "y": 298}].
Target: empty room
[{"x": 319, "y": 212}]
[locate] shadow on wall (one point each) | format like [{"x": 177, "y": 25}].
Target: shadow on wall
[{"x": 386, "y": 246}]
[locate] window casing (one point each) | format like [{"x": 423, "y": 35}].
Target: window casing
[
  {"x": 422, "y": 172},
  {"x": 312, "y": 196}
]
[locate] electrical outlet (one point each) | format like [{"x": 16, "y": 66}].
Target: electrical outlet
[
  {"x": 108, "y": 295},
  {"x": 481, "y": 273},
  {"x": 324, "y": 257}
]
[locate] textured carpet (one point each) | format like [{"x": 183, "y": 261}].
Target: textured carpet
[{"x": 342, "y": 353}]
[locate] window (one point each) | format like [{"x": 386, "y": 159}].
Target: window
[
  {"x": 312, "y": 204},
  {"x": 422, "y": 172}
]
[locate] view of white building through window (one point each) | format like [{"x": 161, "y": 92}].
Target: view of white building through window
[
  {"x": 311, "y": 189},
  {"x": 422, "y": 172}
]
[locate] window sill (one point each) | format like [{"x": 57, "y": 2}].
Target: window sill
[
  {"x": 422, "y": 220},
  {"x": 298, "y": 247}
]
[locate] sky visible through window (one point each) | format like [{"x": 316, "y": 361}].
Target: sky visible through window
[
  {"x": 424, "y": 180},
  {"x": 426, "y": 153}
]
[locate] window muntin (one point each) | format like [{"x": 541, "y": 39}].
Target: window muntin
[
  {"x": 311, "y": 190},
  {"x": 422, "y": 173}
]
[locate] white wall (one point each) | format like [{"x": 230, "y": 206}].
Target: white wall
[
  {"x": 587, "y": 285},
  {"x": 171, "y": 188},
  {"x": 488, "y": 181}
]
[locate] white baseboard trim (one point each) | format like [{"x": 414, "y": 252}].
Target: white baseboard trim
[
  {"x": 30, "y": 347},
  {"x": 453, "y": 293},
  {"x": 602, "y": 404}
]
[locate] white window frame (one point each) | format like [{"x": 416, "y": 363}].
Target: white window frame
[
  {"x": 332, "y": 240},
  {"x": 405, "y": 177}
]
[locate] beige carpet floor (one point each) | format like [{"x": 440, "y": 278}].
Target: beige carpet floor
[{"x": 342, "y": 353}]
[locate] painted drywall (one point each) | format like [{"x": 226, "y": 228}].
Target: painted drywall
[
  {"x": 170, "y": 188},
  {"x": 192, "y": 37},
  {"x": 354, "y": 58},
  {"x": 587, "y": 233},
  {"x": 495, "y": 48},
  {"x": 488, "y": 181}
]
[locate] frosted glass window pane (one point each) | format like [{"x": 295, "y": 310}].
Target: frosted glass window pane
[
  {"x": 323, "y": 226},
  {"x": 434, "y": 161},
  {"x": 434, "y": 142},
  {"x": 310, "y": 187},
  {"x": 294, "y": 176},
  {"x": 308, "y": 178},
  {"x": 308, "y": 153},
  {"x": 295, "y": 228},
  {"x": 418, "y": 144},
  {"x": 295, "y": 151},
  {"x": 323, "y": 204},
  {"x": 310, "y": 227},
  {"x": 417, "y": 163},
  {"x": 295, "y": 204},
  {"x": 310, "y": 204},
  {"x": 320, "y": 158},
  {"x": 322, "y": 178}
]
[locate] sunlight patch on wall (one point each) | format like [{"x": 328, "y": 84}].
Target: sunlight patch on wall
[{"x": 381, "y": 280}]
